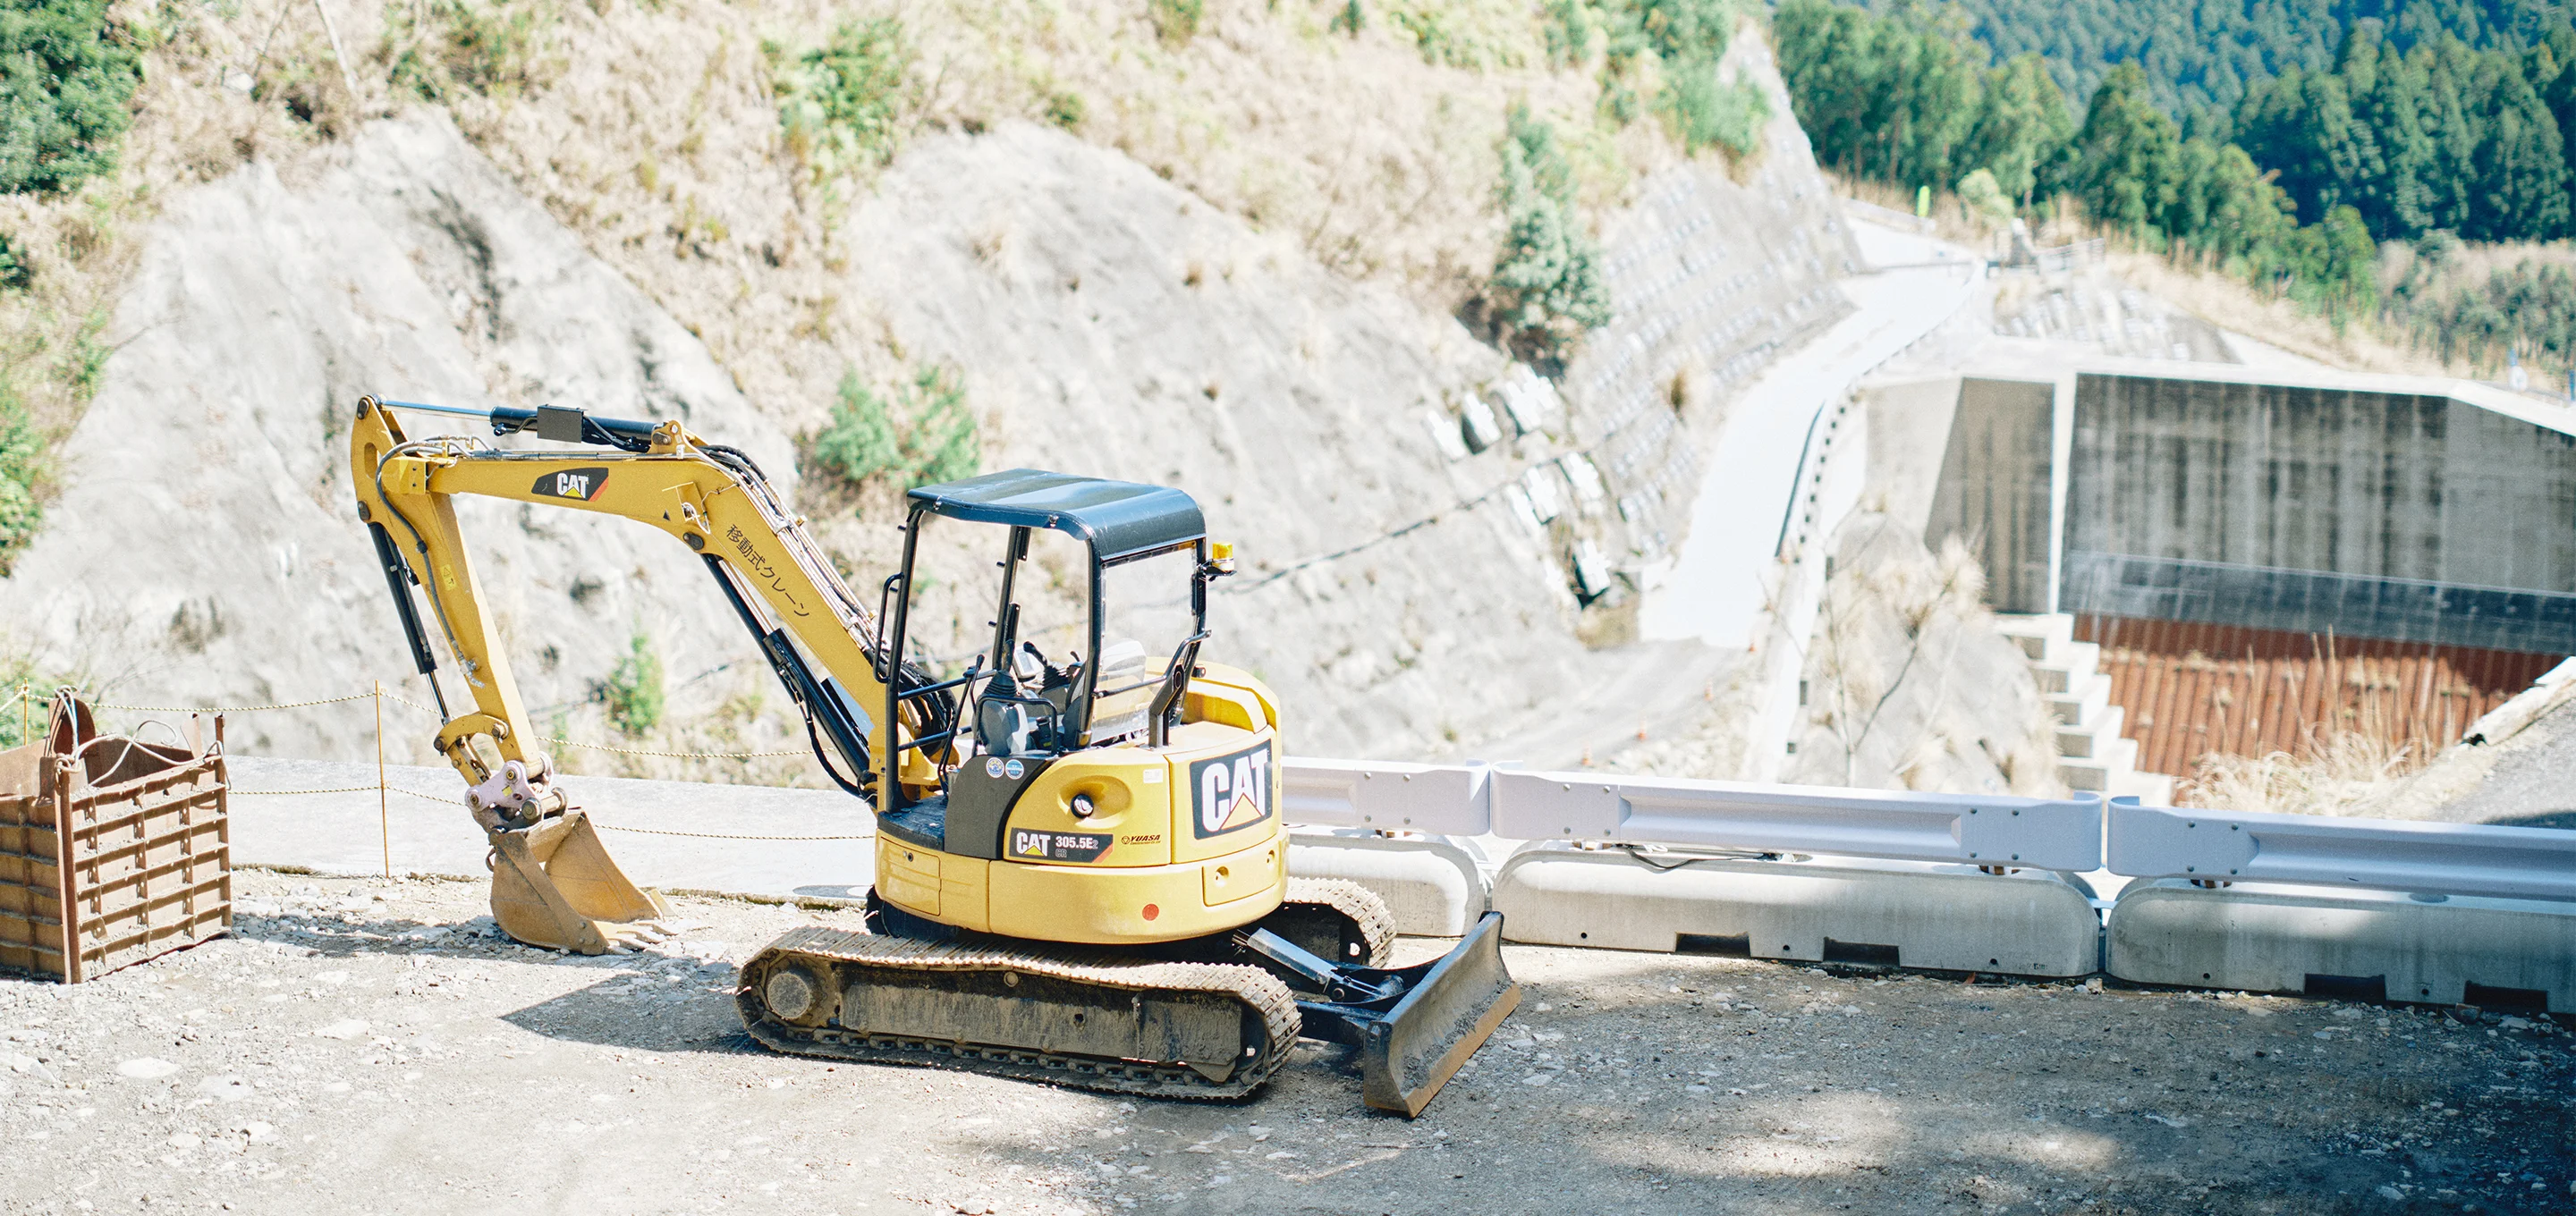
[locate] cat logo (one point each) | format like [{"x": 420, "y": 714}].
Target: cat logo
[
  {"x": 582, "y": 484},
  {"x": 1231, "y": 792}
]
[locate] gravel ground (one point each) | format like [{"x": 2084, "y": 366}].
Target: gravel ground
[{"x": 370, "y": 1046}]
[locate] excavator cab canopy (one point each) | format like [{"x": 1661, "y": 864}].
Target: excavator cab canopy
[
  {"x": 1115, "y": 673},
  {"x": 1116, "y": 518}
]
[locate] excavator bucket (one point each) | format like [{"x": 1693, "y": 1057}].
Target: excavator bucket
[
  {"x": 553, "y": 885},
  {"x": 1445, "y": 1015}
]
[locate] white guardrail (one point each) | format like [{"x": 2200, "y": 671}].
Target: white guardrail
[
  {"x": 1388, "y": 795},
  {"x": 2065, "y": 834},
  {"x": 1472, "y": 800},
  {"x": 1990, "y": 830},
  {"x": 2378, "y": 854}
]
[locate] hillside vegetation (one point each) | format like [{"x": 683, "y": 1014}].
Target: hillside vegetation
[
  {"x": 712, "y": 151},
  {"x": 1244, "y": 248},
  {"x": 2203, "y": 55},
  {"x": 2405, "y": 182}
]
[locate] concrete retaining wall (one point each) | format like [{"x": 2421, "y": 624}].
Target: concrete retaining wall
[{"x": 2388, "y": 512}]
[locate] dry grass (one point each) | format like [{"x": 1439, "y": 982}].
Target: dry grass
[{"x": 2335, "y": 773}]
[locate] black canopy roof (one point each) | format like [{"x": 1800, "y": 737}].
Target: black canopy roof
[{"x": 1117, "y": 517}]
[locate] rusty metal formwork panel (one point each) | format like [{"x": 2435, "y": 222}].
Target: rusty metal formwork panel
[
  {"x": 2192, "y": 689},
  {"x": 112, "y": 850}
]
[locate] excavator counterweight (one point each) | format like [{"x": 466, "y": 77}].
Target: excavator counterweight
[{"x": 1080, "y": 868}]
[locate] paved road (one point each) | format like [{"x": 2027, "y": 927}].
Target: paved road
[{"x": 1715, "y": 589}]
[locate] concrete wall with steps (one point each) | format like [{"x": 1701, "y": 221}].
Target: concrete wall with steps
[{"x": 2092, "y": 754}]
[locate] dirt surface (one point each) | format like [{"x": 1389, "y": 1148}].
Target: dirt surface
[{"x": 369, "y": 1046}]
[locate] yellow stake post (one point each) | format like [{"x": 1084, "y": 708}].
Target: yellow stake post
[{"x": 384, "y": 814}]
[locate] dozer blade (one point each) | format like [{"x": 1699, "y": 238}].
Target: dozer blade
[
  {"x": 1445, "y": 1016},
  {"x": 554, "y": 886}
]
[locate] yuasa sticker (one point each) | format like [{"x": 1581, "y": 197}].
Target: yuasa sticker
[{"x": 1230, "y": 793}]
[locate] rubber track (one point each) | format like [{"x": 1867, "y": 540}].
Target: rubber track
[
  {"x": 1252, "y": 986},
  {"x": 1361, "y": 905}
]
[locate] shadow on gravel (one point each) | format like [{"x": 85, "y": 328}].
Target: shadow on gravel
[
  {"x": 657, "y": 1002},
  {"x": 629, "y": 1012}
]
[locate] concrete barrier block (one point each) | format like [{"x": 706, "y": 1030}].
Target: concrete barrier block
[
  {"x": 1432, "y": 887},
  {"x": 1913, "y": 914},
  {"x": 2281, "y": 938}
]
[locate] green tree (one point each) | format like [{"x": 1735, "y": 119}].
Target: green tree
[
  {"x": 2333, "y": 266},
  {"x": 2022, "y": 123},
  {"x": 2520, "y": 175},
  {"x": 1546, "y": 289},
  {"x": 943, "y": 444},
  {"x": 1888, "y": 98},
  {"x": 2123, "y": 163},
  {"x": 65, "y": 83}
]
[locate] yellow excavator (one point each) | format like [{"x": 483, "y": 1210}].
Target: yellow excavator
[{"x": 1080, "y": 867}]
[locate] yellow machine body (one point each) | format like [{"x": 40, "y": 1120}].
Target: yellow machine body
[
  {"x": 1163, "y": 858},
  {"x": 1158, "y": 878}
]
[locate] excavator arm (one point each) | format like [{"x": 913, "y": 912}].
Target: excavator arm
[{"x": 711, "y": 498}]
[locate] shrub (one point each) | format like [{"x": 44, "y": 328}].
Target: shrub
[
  {"x": 491, "y": 48},
  {"x": 21, "y": 462},
  {"x": 633, "y": 690},
  {"x": 1984, "y": 196},
  {"x": 1705, "y": 113},
  {"x": 858, "y": 443},
  {"x": 841, "y": 104},
  {"x": 1569, "y": 27},
  {"x": 1351, "y": 20},
  {"x": 1066, "y": 109},
  {"x": 928, "y": 436},
  {"x": 64, "y": 88},
  {"x": 1546, "y": 288},
  {"x": 943, "y": 445},
  {"x": 1175, "y": 21}
]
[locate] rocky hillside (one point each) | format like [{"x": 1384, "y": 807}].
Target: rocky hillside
[{"x": 1230, "y": 258}]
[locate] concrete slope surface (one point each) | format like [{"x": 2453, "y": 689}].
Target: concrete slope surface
[
  {"x": 1116, "y": 325},
  {"x": 205, "y": 549}
]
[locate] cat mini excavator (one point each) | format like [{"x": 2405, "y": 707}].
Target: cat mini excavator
[{"x": 1080, "y": 867}]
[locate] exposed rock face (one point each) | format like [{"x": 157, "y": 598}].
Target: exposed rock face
[
  {"x": 206, "y": 549},
  {"x": 1105, "y": 321},
  {"x": 1113, "y": 324}
]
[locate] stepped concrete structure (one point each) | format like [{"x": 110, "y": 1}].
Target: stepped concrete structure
[{"x": 2434, "y": 514}]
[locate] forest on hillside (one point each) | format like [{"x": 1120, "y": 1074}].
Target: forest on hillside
[
  {"x": 2406, "y": 131},
  {"x": 2201, "y": 56}
]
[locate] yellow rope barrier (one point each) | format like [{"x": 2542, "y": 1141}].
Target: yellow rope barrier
[
  {"x": 227, "y": 709},
  {"x": 719, "y": 835},
  {"x": 399, "y": 699},
  {"x": 630, "y": 751}
]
